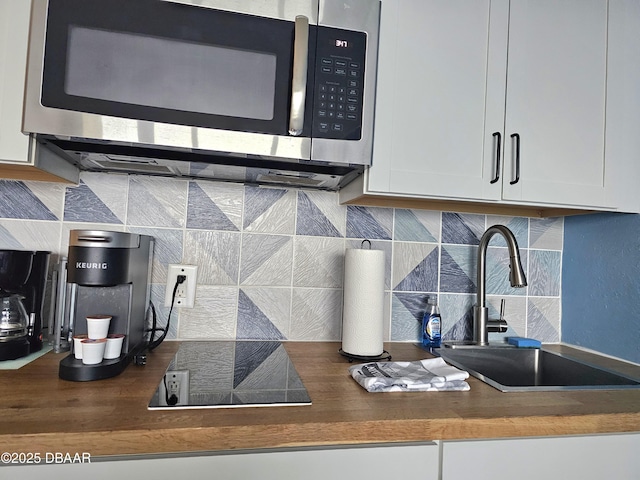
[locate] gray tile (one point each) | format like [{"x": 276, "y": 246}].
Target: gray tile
[
  {"x": 30, "y": 235},
  {"x": 318, "y": 262},
  {"x": 270, "y": 210},
  {"x": 157, "y": 202},
  {"x": 316, "y": 314},
  {"x": 213, "y": 317},
  {"x": 547, "y": 233},
  {"x": 215, "y": 253},
  {"x": 266, "y": 259}
]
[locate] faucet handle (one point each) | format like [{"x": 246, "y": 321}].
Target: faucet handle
[{"x": 499, "y": 325}]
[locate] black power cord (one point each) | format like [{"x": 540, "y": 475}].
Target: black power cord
[{"x": 154, "y": 328}]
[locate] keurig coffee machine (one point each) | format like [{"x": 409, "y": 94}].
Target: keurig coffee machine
[
  {"x": 108, "y": 275},
  {"x": 23, "y": 276}
]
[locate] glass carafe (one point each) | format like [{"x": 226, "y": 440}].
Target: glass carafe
[{"x": 14, "y": 321}]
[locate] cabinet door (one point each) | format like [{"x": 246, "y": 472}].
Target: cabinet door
[
  {"x": 556, "y": 80},
  {"x": 433, "y": 101},
  {"x": 560, "y": 458},
  {"x": 14, "y": 30},
  {"x": 418, "y": 462},
  {"x": 622, "y": 152}
]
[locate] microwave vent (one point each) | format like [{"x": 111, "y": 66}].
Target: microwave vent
[
  {"x": 132, "y": 165},
  {"x": 289, "y": 179}
]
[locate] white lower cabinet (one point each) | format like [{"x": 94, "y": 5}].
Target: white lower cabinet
[
  {"x": 383, "y": 462},
  {"x": 593, "y": 457},
  {"x": 563, "y": 458}
]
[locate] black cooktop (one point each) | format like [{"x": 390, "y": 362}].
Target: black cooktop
[{"x": 224, "y": 374}]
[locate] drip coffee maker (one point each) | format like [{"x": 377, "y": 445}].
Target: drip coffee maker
[{"x": 23, "y": 276}]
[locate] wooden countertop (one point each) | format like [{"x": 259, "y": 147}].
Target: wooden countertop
[{"x": 40, "y": 412}]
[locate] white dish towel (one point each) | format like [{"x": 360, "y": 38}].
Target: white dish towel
[{"x": 428, "y": 375}]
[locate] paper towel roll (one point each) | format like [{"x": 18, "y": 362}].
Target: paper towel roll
[{"x": 363, "y": 307}]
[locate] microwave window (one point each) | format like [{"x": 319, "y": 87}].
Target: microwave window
[{"x": 170, "y": 74}]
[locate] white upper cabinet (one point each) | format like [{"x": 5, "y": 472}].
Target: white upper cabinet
[
  {"x": 14, "y": 32},
  {"x": 20, "y": 156},
  {"x": 622, "y": 154},
  {"x": 431, "y": 103},
  {"x": 502, "y": 102},
  {"x": 555, "y": 102}
]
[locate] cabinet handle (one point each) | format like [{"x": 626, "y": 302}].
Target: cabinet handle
[
  {"x": 498, "y": 144},
  {"x": 517, "y": 179}
]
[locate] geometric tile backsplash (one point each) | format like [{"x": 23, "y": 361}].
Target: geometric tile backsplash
[{"x": 270, "y": 260}]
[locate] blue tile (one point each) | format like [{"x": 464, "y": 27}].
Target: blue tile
[
  {"x": 424, "y": 277},
  {"x": 457, "y": 316},
  {"x": 498, "y": 270},
  {"x": 409, "y": 227},
  {"x": 203, "y": 213},
  {"x": 81, "y": 204},
  {"x": 253, "y": 324},
  {"x": 458, "y": 269},
  {"x": 544, "y": 273},
  {"x": 17, "y": 201},
  {"x": 462, "y": 229},
  {"x": 369, "y": 222},
  {"x": 406, "y": 316},
  {"x": 519, "y": 226},
  {"x": 312, "y": 221},
  {"x": 258, "y": 200}
]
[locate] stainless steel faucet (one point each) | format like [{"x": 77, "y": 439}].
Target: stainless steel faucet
[{"x": 481, "y": 322}]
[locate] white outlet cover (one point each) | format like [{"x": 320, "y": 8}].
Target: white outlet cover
[
  {"x": 181, "y": 376},
  {"x": 191, "y": 271}
]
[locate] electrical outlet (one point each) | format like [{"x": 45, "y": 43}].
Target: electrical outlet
[
  {"x": 186, "y": 292},
  {"x": 176, "y": 388}
]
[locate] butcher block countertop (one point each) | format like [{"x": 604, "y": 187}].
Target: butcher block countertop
[{"x": 39, "y": 411}]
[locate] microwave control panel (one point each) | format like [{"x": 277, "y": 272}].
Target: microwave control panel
[{"x": 339, "y": 84}]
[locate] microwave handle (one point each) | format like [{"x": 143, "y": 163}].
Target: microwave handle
[{"x": 299, "y": 78}]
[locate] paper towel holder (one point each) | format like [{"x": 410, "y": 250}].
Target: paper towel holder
[{"x": 365, "y": 358}]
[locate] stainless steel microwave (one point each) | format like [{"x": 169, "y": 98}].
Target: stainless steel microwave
[{"x": 270, "y": 91}]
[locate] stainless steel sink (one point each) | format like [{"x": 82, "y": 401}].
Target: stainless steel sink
[{"x": 511, "y": 369}]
